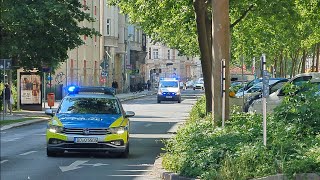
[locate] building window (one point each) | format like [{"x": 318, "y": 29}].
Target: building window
[
  {"x": 169, "y": 54},
  {"x": 155, "y": 54},
  {"x": 149, "y": 53},
  {"x": 108, "y": 27}
]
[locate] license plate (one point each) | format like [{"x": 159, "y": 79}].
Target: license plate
[
  {"x": 168, "y": 96},
  {"x": 85, "y": 139}
]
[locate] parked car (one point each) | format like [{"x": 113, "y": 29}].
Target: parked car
[
  {"x": 276, "y": 98},
  {"x": 273, "y": 87},
  {"x": 199, "y": 84},
  {"x": 253, "y": 82},
  {"x": 189, "y": 84}
]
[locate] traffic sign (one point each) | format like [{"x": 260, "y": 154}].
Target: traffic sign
[
  {"x": 104, "y": 73},
  {"x": 5, "y": 63},
  {"x": 265, "y": 83}
]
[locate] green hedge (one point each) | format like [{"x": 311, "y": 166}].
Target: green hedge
[{"x": 201, "y": 150}]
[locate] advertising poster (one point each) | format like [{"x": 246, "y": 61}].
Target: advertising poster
[{"x": 30, "y": 88}]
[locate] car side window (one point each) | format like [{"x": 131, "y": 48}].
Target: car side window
[
  {"x": 276, "y": 87},
  {"x": 299, "y": 81}
]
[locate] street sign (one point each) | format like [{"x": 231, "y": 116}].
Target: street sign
[
  {"x": 5, "y": 63},
  {"x": 265, "y": 83},
  {"x": 104, "y": 73}
]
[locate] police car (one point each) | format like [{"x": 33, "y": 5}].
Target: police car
[
  {"x": 169, "y": 90},
  {"x": 89, "y": 119}
]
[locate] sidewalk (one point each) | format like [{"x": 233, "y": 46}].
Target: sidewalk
[{"x": 41, "y": 116}]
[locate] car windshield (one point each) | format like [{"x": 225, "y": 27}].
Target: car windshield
[
  {"x": 89, "y": 106},
  {"x": 165, "y": 84}
]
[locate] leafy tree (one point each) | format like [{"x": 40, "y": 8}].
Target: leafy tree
[{"x": 40, "y": 32}]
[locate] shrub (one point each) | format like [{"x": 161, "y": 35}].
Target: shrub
[{"x": 236, "y": 152}]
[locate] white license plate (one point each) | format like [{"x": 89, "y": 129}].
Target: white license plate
[
  {"x": 168, "y": 96},
  {"x": 85, "y": 139}
]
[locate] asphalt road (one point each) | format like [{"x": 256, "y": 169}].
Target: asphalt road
[{"x": 23, "y": 153}]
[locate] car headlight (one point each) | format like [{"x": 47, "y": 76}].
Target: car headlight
[
  {"x": 55, "y": 129},
  {"x": 178, "y": 93},
  {"x": 117, "y": 130},
  {"x": 160, "y": 92}
]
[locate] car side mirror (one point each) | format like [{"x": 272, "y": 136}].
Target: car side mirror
[
  {"x": 129, "y": 114},
  {"x": 49, "y": 112}
]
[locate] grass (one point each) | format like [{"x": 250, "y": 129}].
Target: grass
[{"x": 7, "y": 122}]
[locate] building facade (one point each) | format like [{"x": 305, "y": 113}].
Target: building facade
[
  {"x": 115, "y": 55},
  {"x": 165, "y": 62}
]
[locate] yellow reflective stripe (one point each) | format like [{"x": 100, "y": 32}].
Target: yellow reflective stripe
[
  {"x": 117, "y": 122},
  {"x": 113, "y": 137},
  {"x": 55, "y": 121},
  {"x": 56, "y": 136}
]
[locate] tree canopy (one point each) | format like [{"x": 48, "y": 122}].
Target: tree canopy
[
  {"x": 262, "y": 26},
  {"x": 40, "y": 32}
]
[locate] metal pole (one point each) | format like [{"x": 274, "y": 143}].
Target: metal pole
[
  {"x": 3, "y": 92},
  {"x": 223, "y": 66},
  {"x": 264, "y": 102},
  {"x": 242, "y": 73}
]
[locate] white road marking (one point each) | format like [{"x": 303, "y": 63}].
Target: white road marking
[
  {"x": 147, "y": 125},
  {"x": 26, "y": 153},
  {"x": 10, "y": 140},
  {"x": 73, "y": 166},
  {"x": 40, "y": 134},
  {"x": 138, "y": 165},
  {"x": 3, "y": 161},
  {"x": 96, "y": 165}
]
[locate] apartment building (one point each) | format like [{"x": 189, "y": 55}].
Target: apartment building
[{"x": 116, "y": 55}]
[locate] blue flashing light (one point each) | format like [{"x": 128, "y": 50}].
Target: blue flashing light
[{"x": 71, "y": 89}]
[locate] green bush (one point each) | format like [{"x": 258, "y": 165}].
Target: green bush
[{"x": 236, "y": 152}]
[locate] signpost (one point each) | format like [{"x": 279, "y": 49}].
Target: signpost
[
  {"x": 4, "y": 64},
  {"x": 223, "y": 81},
  {"x": 265, "y": 94}
]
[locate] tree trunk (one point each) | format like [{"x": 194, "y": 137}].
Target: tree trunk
[
  {"x": 275, "y": 67},
  {"x": 285, "y": 65},
  {"x": 303, "y": 61},
  {"x": 200, "y": 10},
  {"x": 281, "y": 64},
  {"x": 294, "y": 57},
  {"x": 220, "y": 50},
  {"x": 318, "y": 58},
  {"x": 313, "y": 65}
]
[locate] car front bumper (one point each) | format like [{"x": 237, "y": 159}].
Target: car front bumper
[
  {"x": 169, "y": 98},
  {"x": 106, "y": 143}
]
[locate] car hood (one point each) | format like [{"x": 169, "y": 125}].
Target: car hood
[
  {"x": 87, "y": 120},
  {"x": 170, "y": 89}
]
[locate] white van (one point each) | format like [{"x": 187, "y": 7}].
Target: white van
[
  {"x": 169, "y": 90},
  {"x": 276, "y": 98}
]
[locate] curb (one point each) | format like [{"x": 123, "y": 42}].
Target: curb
[
  {"x": 36, "y": 120},
  {"x": 166, "y": 175}
]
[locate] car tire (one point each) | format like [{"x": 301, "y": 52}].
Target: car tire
[
  {"x": 179, "y": 101},
  {"x": 125, "y": 154},
  {"x": 194, "y": 89},
  {"x": 158, "y": 101},
  {"x": 52, "y": 153}
]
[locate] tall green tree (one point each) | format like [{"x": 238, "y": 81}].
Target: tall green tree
[{"x": 36, "y": 33}]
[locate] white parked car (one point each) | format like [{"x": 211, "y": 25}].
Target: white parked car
[
  {"x": 276, "y": 98},
  {"x": 199, "y": 84}
]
